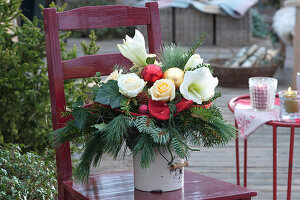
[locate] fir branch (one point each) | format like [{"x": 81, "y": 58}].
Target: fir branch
[
  {"x": 172, "y": 56},
  {"x": 91, "y": 48},
  {"x": 93, "y": 152},
  {"x": 216, "y": 95},
  {"x": 147, "y": 125},
  {"x": 119, "y": 67},
  {"x": 205, "y": 114},
  {"x": 115, "y": 133},
  {"x": 65, "y": 134},
  {"x": 196, "y": 44},
  {"x": 203, "y": 65},
  {"x": 125, "y": 105},
  {"x": 144, "y": 148}
]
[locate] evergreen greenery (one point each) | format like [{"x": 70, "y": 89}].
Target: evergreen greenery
[{"x": 24, "y": 104}]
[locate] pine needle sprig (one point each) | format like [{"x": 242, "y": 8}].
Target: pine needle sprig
[
  {"x": 196, "y": 44},
  {"x": 119, "y": 67},
  {"x": 115, "y": 133},
  {"x": 203, "y": 65},
  {"x": 205, "y": 114},
  {"x": 65, "y": 134},
  {"x": 173, "y": 56},
  {"x": 147, "y": 125},
  {"x": 216, "y": 95},
  {"x": 125, "y": 106},
  {"x": 144, "y": 148},
  {"x": 92, "y": 154}
]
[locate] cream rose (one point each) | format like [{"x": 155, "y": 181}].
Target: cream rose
[
  {"x": 130, "y": 85},
  {"x": 114, "y": 75},
  {"x": 162, "y": 90}
]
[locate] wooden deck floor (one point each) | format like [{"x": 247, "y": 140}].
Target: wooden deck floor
[{"x": 220, "y": 162}]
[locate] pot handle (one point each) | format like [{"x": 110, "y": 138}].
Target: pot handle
[{"x": 179, "y": 165}]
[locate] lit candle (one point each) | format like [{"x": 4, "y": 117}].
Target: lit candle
[{"x": 290, "y": 104}]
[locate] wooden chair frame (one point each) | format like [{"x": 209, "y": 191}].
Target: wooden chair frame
[{"x": 91, "y": 17}]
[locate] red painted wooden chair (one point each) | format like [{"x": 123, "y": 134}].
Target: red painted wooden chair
[{"x": 86, "y": 66}]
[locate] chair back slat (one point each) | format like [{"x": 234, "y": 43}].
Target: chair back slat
[
  {"x": 87, "y": 66},
  {"x": 92, "y": 17}
]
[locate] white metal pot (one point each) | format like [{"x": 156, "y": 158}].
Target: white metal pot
[{"x": 158, "y": 177}]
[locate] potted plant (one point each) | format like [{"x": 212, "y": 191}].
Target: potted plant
[{"x": 160, "y": 109}]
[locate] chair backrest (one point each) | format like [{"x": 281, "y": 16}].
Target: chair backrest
[{"x": 91, "y": 17}]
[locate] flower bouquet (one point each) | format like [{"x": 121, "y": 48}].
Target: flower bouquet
[{"x": 161, "y": 109}]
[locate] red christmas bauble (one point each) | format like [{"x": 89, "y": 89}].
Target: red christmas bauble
[{"x": 152, "y": 73}]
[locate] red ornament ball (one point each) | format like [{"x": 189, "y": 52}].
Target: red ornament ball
[
  {"x": 152, "y": 73},
  {"x": 143, "y": 109}
]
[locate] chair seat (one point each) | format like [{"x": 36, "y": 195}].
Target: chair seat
[{"x": 120, "y": 185}]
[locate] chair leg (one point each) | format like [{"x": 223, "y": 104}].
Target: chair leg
[
  {"x": 290, "y": 170},
  {"x": 237, "y": 156},
  {"x": 274, "y": 162},
  {"x": 245, "y": 163},
  {"x": 237, "y": 161}
]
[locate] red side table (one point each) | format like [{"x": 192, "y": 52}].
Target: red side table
[{"x": 231, "y": 105}]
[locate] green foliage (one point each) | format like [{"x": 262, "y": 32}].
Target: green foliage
[
  {"x": 260, "y": 28},
  {"x": 25, "y": 105},
  {"x": 196, "y": 44},
  {"x": 108, "y": 94},
  {"x": 173, "y": 56},
  {"x": 25, "y": 176},
  {"x": 144, "y": 148},
  {"x": 92, "y": 48}
]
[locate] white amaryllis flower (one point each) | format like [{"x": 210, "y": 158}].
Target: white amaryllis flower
[
  {"x": 198, "y": 85},
  {"x": 114, "y": 75},
  {"x": 134, "y": 49},
  {"x": 162, "y": 90},
  {"x": 193, "y": 62},
  {"x": 130, "y": 85}
]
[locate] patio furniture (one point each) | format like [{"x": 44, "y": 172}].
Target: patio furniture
[
  {"x": 119, "y": 185},
  {"x": 275, "y": 124},
  {"x": 86, "y": 66}
]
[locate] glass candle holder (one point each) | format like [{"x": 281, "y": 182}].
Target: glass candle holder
[
  {"x": 289, "y": 104},
  {"x": 262, "y": 92}
]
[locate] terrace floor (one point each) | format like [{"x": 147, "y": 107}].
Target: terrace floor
[{"x": 220, "y": 162}]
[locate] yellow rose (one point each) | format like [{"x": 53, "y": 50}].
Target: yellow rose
[{"x": 162, "y": 90}]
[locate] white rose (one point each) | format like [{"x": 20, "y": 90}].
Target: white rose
[
  {"x": 113, "y": 76},
  {"x": 198, "y": 85},
  {"x": 130, "y": 85},
  {"x": 193, "y": 62},
  {"x": 162, "y": 90}
]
